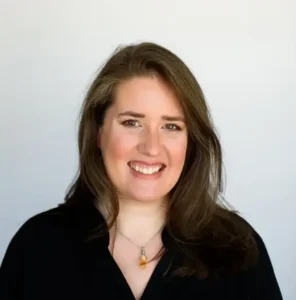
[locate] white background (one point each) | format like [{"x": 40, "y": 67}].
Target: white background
[{"x": 243, "y": 53}]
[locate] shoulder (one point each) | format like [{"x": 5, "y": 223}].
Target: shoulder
[
  {"x": 252, "y": 240},
  {"x": 263, "y": 261},
  {"x": 29, "y": 244},
  {"x": 40, "y": 226},
  {"x": 46, "y": 242},
  {"x": 231, "y": 244},
  {"x": 48, "y": 219},
  {"x": 260, "y": 275},
  {"x": 254, "y": 237},
  {"x": 53, "y": 233},
  {"x": 54, "y": 226}
]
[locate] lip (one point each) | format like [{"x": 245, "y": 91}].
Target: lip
[
  {"x": 145, "y": 163},
  {"x": 142, "y": 176}
]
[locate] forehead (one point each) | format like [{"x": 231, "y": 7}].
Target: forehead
[{"x": 148, "y": 95}]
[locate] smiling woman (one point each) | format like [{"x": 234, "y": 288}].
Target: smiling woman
[
  {"x": 144, "y": 217},
  {"x": 140, "y": 144}
]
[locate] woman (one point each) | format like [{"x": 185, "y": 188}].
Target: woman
[{"x": 144, "y": 218}]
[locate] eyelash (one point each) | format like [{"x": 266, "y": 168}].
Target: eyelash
[{"x": 129, "y": 123}]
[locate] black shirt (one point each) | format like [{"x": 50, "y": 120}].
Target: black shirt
[{"x": 48, "y": 259}]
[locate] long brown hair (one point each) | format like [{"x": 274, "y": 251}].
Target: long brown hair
[{"x": 210, "y": 236}]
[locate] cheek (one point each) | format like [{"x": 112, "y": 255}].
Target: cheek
[
  {"x": 119, "y": 147},
  {"x": 177, "y": 152}
]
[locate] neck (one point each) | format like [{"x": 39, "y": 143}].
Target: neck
[{"x": 141, "y": 220}]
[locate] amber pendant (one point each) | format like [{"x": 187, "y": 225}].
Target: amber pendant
[{"x": 143, "y": 258}]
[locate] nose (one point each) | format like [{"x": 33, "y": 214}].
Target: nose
[{"x": 150, "y": 143}]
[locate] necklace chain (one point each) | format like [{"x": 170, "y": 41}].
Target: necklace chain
[{"x": 137, "y": 245}]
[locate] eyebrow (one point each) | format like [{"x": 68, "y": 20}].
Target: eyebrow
[{"x": 141, "y": 116}]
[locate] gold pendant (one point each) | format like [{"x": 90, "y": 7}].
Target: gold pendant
[{"x": 143, "y": 259}]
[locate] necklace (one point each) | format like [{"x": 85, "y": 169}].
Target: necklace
[{"x": 143, "y": 261}]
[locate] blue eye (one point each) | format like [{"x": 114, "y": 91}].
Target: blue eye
[
  {"x": 172, "y": 127},
  {"x": 131, "y": 123}
]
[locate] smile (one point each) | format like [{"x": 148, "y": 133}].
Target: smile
[{"x": 147, "y": 170}]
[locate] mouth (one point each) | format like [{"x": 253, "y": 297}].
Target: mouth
[{"x": 145, "y": 169}]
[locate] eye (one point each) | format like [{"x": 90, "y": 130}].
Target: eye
[
  {"x": 131, "y": 123},
  {"x": 172, "y": 127}
]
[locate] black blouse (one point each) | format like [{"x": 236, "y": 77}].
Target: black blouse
[{"x": 48, "y": 259}]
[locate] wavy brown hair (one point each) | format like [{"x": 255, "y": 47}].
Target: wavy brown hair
[{"x": 209, "y": 235}]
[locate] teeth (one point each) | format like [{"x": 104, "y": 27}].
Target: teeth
[{"x": 149, "y": 171}]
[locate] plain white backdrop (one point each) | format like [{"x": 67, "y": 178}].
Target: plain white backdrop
[{"x": 243, "y": 54}]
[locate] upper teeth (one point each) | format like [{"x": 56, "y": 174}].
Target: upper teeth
[{"x": 146, "y": 170}]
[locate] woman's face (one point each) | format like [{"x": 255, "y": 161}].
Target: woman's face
[{"x": 143, "y": 139}]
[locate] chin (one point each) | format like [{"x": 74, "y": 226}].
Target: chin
[{"x": 142, "y": 197}]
